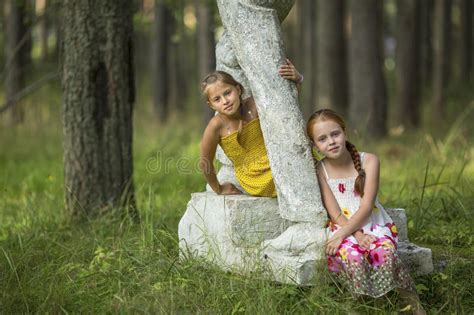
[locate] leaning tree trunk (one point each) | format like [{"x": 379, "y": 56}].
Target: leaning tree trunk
[
  {"x": 98, "y": 87},
  {"x": 252, "y": 43},
  {"x": 407, "y": 65},
  {"x": 331, "y": 70},
  {"x": 14, "y": 55},
  {"x": 368, "y": 108},
  {"x": 206, "y": 45},
  {"x": 441, "y": 65}
]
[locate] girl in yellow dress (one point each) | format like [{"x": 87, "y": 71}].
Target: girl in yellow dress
[{"x": 236, "y": 128}]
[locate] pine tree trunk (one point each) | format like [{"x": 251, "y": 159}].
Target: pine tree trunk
[
  {"x": 98, "y": 87},
  {"x": 407, "y": 63},
  {"x": 441, "y": 64},
  {"x": 44, "y": 31},
  {"x": 307, "y": 17},
  {"x": 14, "y": 55},
  {"x": 426, "y": 36},
  {"x": 466, "y": 10},
  {"x": 56, "y": 25},
  {"x": 160, "y": 60},
  {"x": 185, "y": 62},
  {"x": 331, "y": 75},
  {"x": 206, "y": 45},
  {"x": 368, "y": 108}
]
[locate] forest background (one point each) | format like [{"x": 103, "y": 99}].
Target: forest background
[{"x": 408, "y": 61}]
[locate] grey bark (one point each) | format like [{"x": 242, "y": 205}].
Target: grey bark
[
  {"x": 441, "y": 64},
  {"x": 253, "y": 44},
  {"x": 98, "y": 88},
  {"x": 466, "y": 54},
  {"x": 368, "y": 108},
  {"x": 407, "y": 63},
  {"x": 160, "y": 60},
  {"x": 206, "y": 45},
  {"x": 15, "y": 46},
  {"x": 331, "y": 57}
]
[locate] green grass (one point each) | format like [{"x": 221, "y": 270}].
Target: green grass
[{"x": 50, "y": 263}]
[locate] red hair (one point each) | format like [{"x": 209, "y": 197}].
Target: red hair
[{"x": 329, "y": 114}]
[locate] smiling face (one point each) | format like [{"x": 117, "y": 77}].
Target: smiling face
[
  {"x": 224, "y": 98},
  {"x": 329, "y": 138}
]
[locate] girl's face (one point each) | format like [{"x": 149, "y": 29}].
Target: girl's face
[
  {"x": 329, "y": 138},
  {"x": 224, "y": 98}
]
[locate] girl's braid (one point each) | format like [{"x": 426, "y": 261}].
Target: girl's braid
[{"x": 360, "y": 180}]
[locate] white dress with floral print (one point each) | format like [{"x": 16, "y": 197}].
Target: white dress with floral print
[{"x": 371, "y": 272}]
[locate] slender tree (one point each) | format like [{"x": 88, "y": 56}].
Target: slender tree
[
  {"x": 160, "y": 59},
  {"x": 15, "y": 54},
  {"x": 185, "y": 62},
  {"x": 426, "y": 39},
  {"x": 331, "y": 74},
  {"x": 407, "y": 63},
  {"x": 44, "y": 29},
  {"x": 307, "y": 29},
  {"x": 441, "y": 64},
  {"x": 466, "y": 54},
  {"x": 368, "y": 104},
  {"x": 98, "y": 89},
  {"x": 206, "y": 43}
]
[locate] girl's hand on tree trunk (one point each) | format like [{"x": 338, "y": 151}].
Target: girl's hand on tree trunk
[{"x": 289, "y": 72}]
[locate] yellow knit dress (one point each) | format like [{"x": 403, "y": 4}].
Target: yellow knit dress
[{"x": 247, "y": 152}]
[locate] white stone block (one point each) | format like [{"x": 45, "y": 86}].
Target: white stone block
[
  {"x": 292, "y": 257},
  {"x": 228, "y": 230},
  {"x": 417, "y": 259}
]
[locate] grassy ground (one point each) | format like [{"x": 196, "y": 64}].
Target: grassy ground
[{"x": 49, "y": 263}]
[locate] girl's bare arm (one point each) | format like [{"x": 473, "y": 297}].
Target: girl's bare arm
[{"x": 209, "y": 142}]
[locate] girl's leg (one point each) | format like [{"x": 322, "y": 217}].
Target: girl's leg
[
  {"x": 411, "y": 298},
  {"x": 385, "y": 253}
]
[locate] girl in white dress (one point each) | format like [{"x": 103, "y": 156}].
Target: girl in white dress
[{"x": 362, "y": 244}]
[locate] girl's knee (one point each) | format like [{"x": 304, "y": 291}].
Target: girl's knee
[{"x": 382, "y": 255}]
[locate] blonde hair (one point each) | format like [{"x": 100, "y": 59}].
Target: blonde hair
[
  {"x": 328, "y": 114},
  {"x": 218, "y": 76}
]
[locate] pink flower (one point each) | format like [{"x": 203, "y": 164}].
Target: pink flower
[{"x": 342, "y": 188}]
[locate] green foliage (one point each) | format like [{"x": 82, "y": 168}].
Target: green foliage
[{"x": 52, "y": 264}]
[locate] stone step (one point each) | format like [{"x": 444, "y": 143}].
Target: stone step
[{"x": 416, "y": 258}]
